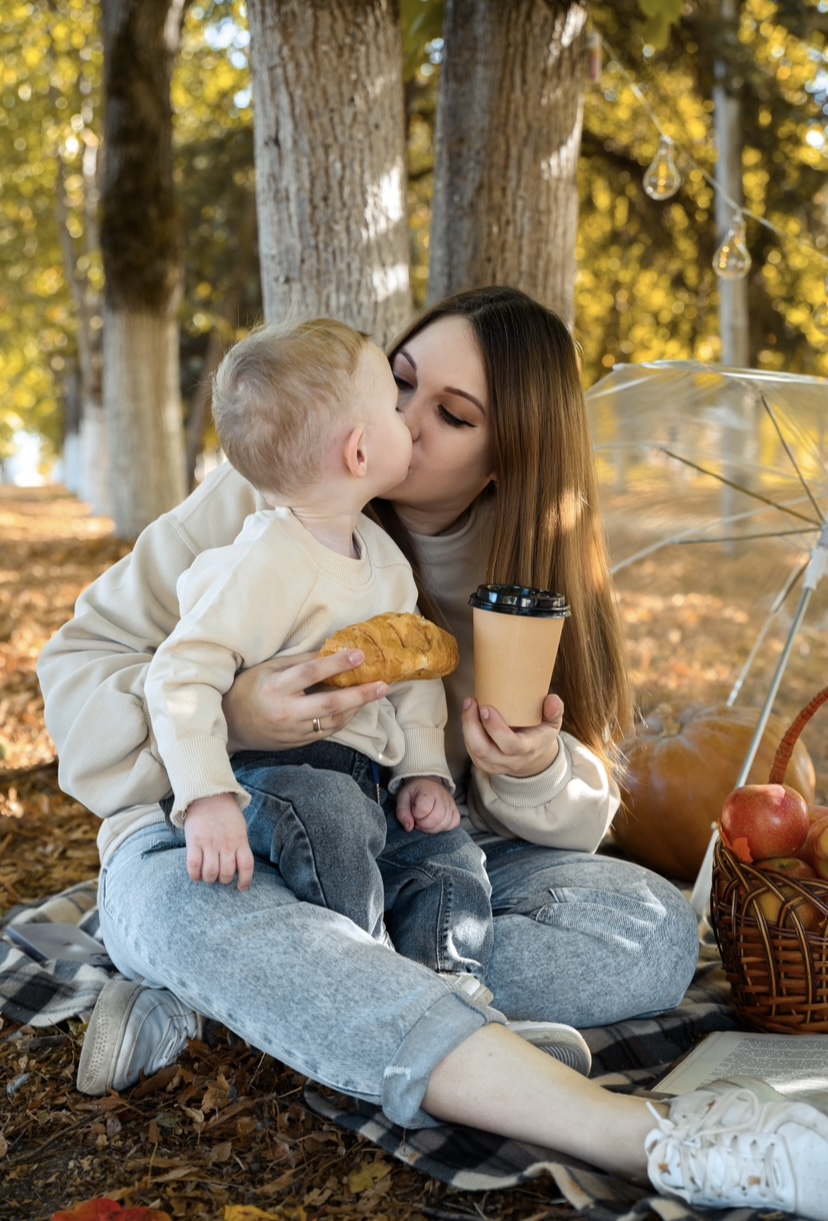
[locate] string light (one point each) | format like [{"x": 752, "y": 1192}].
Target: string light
[
  {"x": 732, "y": 260},
  {"x": 594, "y": 50},
  {"x": 662, "y": 178}
]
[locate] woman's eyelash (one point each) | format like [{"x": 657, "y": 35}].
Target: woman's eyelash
[
  {"x": 453, "y": 421},
  {"x": 445, "y": 415}
]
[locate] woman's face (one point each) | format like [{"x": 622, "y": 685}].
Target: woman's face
[{"x": 444, "y": 401}]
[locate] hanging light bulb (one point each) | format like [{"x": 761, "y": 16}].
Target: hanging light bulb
[
  {"x": 662, "y": 179},
  {"x": 732, "y": 260},
  {"x": 820, "y": 318},
  {"x": 594, "y": 45}
]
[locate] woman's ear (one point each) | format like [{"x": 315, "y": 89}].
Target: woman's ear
[{"x": 356, "y": 453}]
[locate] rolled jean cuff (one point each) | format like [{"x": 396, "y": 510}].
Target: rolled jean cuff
[{"x": 451, "y": 1020}]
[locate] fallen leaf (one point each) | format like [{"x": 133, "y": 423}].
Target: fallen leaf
[
  {"x": 367, "y": 1175},
  {"x": 104, "y": 1209},
  {"x": 222, "y": 1151},
  {"x": 249, "y": 1212}
]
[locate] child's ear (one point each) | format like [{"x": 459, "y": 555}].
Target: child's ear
[{"x": 356, "y": 453}]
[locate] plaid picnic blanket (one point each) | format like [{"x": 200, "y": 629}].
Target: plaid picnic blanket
[{"x": 629, "y": 1057}]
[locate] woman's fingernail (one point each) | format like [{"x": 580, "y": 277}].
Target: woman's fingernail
[
  {"x": 484, "y": 714},
  {"x": 466, "y": 704}
]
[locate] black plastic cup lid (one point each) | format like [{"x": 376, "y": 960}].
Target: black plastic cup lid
[{"x": 520, "y": 600}]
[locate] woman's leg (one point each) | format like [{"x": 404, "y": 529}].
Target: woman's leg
[
  {"x": 730, "y": 1144},
  {"x": 498, "y": 1083},
  {"x": 295, "y": 980},
  {"x": 582, "y": 939},
  {"x": 305, "y": 985}
]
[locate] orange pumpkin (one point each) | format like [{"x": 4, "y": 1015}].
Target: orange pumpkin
[{"x": 681, "y": 764}]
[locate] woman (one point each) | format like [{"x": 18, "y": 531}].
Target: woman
[{"x": 501, "y": 487}]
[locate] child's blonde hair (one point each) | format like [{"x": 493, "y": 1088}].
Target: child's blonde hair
[{"x": 276, "y": 394}]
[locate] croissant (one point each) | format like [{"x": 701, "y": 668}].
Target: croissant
[{"x": 397, "y": 647}]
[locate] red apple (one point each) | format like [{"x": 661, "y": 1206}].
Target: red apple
[{"x": 762, "y": 820}]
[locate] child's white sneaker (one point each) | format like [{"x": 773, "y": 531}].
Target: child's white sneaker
[
  {"x": 563, "y": 1043},
  {"x": 741, "y": 1144}
]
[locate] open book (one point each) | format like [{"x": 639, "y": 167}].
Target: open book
[{"x": 794, "y": 1064}]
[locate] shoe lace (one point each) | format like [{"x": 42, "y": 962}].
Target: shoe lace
[{"x": 723, "y": 1157}]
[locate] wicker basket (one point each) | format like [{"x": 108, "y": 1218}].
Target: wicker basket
[{"x": 777, "y": 967}]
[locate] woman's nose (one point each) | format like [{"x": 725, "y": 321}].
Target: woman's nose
[{"x": 410, "y": 415}]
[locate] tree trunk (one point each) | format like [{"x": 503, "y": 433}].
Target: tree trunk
[
  {"x": 221, "y": 336},
  {"x": 506, "y": 148},
  {"x": 140, "y": 243},
  {"x": 86, "y": 458},
  {"x": 93, "y": 470},
  {"x": 330, "y": 160},
  {"x": 71, "y": 453}
]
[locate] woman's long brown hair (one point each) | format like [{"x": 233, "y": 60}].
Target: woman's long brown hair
[{"x": 547, "y": 528}]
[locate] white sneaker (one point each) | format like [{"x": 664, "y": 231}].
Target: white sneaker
[
  {"x": 563, "y": 1043},
  {"x": 740, "y": 1144},
  {"x": 133, "y": 1029}
]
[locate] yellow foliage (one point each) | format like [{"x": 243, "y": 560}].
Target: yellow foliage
[{"x": 366, "y": 1175}]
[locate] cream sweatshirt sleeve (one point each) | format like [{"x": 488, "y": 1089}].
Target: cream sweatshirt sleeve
[
  {"x": 570, "y": 805},
  {"x": 238, "y": 610},
  {"x": 420, "y": 709},
  {"x": 93, "y": 669}
]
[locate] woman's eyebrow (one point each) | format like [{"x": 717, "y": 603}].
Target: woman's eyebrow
[{"x": 463, "y": 394}]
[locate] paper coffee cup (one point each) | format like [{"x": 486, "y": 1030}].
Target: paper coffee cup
[{"x": 516, "y": 636}]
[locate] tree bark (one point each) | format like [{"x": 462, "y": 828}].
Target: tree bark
[
  {"x": 86, "y": 458},
  {"x": 140, "y": 244},
  {"x": 330, "y": 160},
  {"x": 221, "y": 336},
  {"x": 506, "y": 148}
]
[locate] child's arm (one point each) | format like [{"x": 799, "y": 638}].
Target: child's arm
[
  {"x": 426, "y": 803},
  {"x": 217, "y": 845}
]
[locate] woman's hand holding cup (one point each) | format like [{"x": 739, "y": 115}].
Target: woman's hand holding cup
[
  {"x": 272, "y": 706},
  {"x": 501, "y": 751}
]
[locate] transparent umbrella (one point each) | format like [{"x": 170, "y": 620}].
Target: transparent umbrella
[{"x": 714, "y": 488}]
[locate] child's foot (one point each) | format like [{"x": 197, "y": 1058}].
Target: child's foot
[
  {"x": 740, "y": 1144},
  {"x": 563, "y": 1043}
]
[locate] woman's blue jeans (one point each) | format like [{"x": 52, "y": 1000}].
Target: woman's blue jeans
[
  {"x": 582, "y": 939},
  {"x": 320, "y": 815}
]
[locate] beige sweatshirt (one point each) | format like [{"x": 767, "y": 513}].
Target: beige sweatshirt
[
  {"x": 277, "y": 590},
  {"x": 94, "y": 669}
]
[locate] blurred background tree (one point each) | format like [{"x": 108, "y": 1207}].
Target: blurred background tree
[{"x": 644, "y": 288}]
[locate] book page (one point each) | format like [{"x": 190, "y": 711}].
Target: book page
[{"x": 795, "y": 1065}]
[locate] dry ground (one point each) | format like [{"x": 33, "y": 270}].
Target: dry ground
[{"x": 227, "y": 1126}]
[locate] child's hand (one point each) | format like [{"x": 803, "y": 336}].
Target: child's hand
[
  {"x": 427, "y": 805},
  {"x": 217, "y": 845}
]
